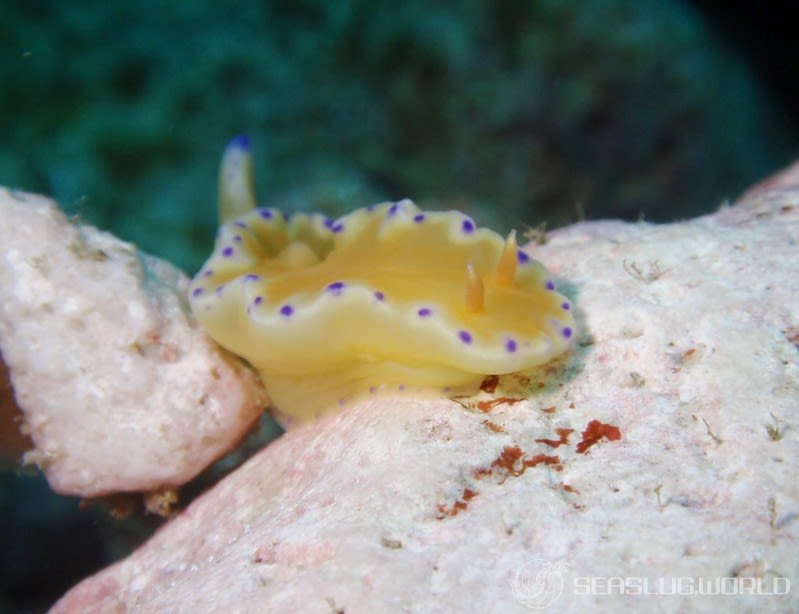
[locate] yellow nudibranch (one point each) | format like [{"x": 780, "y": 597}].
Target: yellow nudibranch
[{"x": 387, "y": 297}]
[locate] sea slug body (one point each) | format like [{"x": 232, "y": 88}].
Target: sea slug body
[{"x": 385, "y": 296}]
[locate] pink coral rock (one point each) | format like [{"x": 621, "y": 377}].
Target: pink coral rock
[
  {"x": 661, "y": 459},
  {"x": 120, "y": 390}
]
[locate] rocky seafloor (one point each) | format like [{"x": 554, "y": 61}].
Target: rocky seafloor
[{"x": 660, "y": 458}]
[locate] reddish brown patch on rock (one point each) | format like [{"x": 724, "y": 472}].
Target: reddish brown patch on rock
[
  {"x": 486, "y": 406},
  {"x": 490, "y": 383},
  {"x": 493, "y": 426},
  {"x": 457, "y": 507},
  {"x": 511, "y": 462},
  {"x": 563, "y": 435},
  {"x": 595, "y": 431}
]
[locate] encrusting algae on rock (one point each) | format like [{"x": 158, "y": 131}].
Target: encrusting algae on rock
[{"x": 386, "y": 297}]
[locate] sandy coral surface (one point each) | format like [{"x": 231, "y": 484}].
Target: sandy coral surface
[
  {"x": 120, "y": 390},
  {"x": 660, "y": 458}
]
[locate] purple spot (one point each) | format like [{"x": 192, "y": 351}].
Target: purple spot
[
  {"x": 392, "y": 210},
  {"x": 258, "y": 300},
  {"x": 380, "y": 296},
  {"x": 265, "y": 213},
  {"x": 251, "y": 277},
  {"x": 227, "y": 252},
  {"x": 286, "y": 216},
  {"x": 197, "y": 292},
  {"x": 328, "y": 222},
  {"x": 465, "y": 336},
  {"x": 370, "y": 208},
  {"x": 401, "y": 387},
  {"x": 522, "y": 256},
  {"x": 419, "y": 217},
  {"x": 567, "y": 332},
  {"x": 424, "y": 312},
  {"x": 565, "y": 306},
  {"x": 208, "y": 273},
  {"x": 240, "y": 224},
  {"x": 241, "y": 141},
  {"x": 550, "y": 285},
  {"x": 237, "y": 238},
  {"x": 510, "y": 345},
  {"x": 337, "y": 227},
  {"x": 219, "y": 289},
  {"x": 468, "y": 226},
  {"x": 286, "y": 310},
  {"x": 336, "y": 288}
]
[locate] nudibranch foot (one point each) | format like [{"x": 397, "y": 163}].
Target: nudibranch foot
[
  {"x": 327, "y": 392},
  {"x": 386, "y": 296}
]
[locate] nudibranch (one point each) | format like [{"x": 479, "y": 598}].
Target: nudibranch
[{"x": 386, "y": 297}]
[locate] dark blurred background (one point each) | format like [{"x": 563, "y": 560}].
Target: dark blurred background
[{"x": 518, "y": 112}]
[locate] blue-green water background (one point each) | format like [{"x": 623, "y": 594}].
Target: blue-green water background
[{"x": 517, "y": 112}]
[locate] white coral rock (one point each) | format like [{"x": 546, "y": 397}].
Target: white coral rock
[
  {"x": 121, "y": 391},
  {"x": 689, "y": 344}
]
